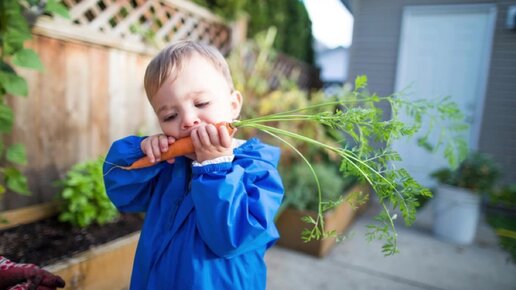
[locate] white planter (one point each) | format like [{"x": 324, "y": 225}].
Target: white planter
[{"x": 456, "y": 212}]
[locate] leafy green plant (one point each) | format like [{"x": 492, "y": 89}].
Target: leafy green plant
[
  {"x": 505, "y": 228},
  {"x": 505, "y": 194},
  {"x": 500, "y": 214},
  {"x": 358, "y": 116},
  {"x": 478, "y": 173},
  {"x": 16, "y": 16},
  {"x": 83, "y": 196},
  {"x": 345, "y": 128},
  {"x": 228, "y": 9},
  {"x": 289, "y": 17}
]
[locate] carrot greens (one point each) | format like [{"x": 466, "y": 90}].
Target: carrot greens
[{"x": 365, "y": 151}]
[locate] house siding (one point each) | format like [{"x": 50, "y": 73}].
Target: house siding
[{"x": 374, "y": 52}]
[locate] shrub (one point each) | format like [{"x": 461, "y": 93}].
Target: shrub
[
  {"x": 301, "y": 188},
  {"x": 478, "y": 173},
  {"x": 505, "y": 194},
  {"x": 84, "y": 198}
]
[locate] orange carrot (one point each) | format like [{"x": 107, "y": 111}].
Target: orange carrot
[{"x": 181, "y": 147}]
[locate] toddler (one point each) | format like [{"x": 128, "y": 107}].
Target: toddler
[{"x": 209, "y": 216}]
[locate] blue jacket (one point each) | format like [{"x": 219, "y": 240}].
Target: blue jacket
[{"x": 205, "y": 227}]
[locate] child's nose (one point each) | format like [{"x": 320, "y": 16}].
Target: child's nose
[{"x": 190, "y": 121}]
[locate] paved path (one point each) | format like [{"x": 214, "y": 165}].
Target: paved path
[{"x": 423, "y": 263}]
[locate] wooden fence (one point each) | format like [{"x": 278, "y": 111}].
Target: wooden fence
[{"x": 91, "y": 91}]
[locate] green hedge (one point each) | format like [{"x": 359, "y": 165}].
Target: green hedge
[{"x": 290, "y": 17}]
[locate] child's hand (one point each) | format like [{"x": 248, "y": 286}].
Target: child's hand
[
  {"x": 154, "y": 145},
  {"x": 211, "y": 142}
]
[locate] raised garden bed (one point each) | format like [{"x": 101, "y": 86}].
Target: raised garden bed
[
  {"x": 291, "y": 226},
  {"x": 82, "y": 257}
]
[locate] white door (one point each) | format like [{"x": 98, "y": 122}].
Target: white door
[{"x": 444, "y": 51}]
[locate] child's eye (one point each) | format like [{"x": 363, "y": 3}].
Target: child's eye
[
  {"x": 203, "y": 104},
  {"x": 169, "y": 117}
]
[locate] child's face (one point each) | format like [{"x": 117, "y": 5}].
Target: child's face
[{"x": 199, "y": 95}]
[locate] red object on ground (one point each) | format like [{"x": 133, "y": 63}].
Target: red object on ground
[{"x": 14, "y": 276}]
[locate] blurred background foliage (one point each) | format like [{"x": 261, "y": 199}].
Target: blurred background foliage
[
  {"x": 290, "y": 17},
  {"x": 266, "y": 92},
  {"x": 252, "y": 68}
]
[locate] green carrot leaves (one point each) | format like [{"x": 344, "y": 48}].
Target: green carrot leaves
[{"x": 368, "y": 125}]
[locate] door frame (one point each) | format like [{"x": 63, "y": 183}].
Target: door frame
[{"x": 484, "y": 75}]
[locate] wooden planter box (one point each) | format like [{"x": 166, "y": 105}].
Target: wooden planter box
[
  {"x": 108, "y": 266},
  {"x": 291, "y": 226}
]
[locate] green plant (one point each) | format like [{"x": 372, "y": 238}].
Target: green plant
[
  {"x": 358, "y": 116},
  {"x": 301, "y": 188},
  {"x": 346, "y": 128},
  {"x": 478, "y": 173},
  {"x": 16, "y": 16},
  {"x": 501, "y": 213},
  {"x": 228, "y": 9},
  {"x": 505, "y": 228},
  {"x": 83, "y": 196},
  {"x": 505, "y": 194},
  {"x": 289, "y": 17},
  {"x": 252, "y": 67}
]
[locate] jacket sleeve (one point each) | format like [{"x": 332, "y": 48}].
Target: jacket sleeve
[
  {"x": 129, "y": 190},
  {"x": 236, "y": 205}
]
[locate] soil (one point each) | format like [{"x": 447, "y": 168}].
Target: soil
[{"x": 46, "y": 241}]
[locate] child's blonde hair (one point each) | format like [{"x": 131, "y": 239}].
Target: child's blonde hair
[{"x": 169, "y": 61}]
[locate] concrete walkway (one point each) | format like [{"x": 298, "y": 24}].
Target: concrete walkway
[{"x": 424, "y": 262}]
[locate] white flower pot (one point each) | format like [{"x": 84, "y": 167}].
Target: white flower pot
[{"x": 456, "y": 212}]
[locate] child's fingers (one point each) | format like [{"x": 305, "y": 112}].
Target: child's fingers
[
  {"x": 155, "y": 149},
  {"x": 204, "y": 138},
  {"x": 225, "y": 138},
  {"x": 195, "y": 139},
  {"x": 213, "y": 135},
  {"x": 163, "y": 143},
  {"x": 171, "y": 161},
  {"x": 147, "y": 148}
]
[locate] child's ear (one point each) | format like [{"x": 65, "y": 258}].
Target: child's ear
[{"x": 236, "y": 104}]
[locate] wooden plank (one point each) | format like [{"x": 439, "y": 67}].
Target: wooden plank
[
  {"x": 117, "y": 107},
  {"x": 150, "y": 121},
  {"x": 50, "y": 111},
  {"x": 106, "y": 267},
  {"x": 128, "y": 105},
  {"x": 28, "y": 214},
  {"x": 64, "y": 30},
  {"x": 76, "y": 111},
  {"x": 135, "y": 93},
  {"x": 98, "y": 132}
]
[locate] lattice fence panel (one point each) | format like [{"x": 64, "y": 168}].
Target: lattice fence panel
[{"x": 151, "y": 22}]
